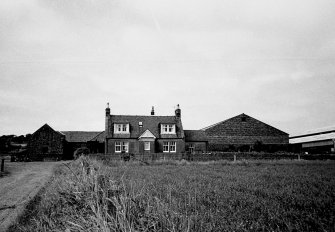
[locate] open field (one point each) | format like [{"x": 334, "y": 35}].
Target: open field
[
  {"x": 181, "y": 196},
  {"x": 20, "y": 183}
]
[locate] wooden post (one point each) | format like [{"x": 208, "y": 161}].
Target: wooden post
[
  {"x": 234, "y": 158},
  {"x": 2, "y": 165}
]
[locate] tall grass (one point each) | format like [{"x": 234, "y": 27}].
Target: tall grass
[{"x": 87, "y": 195}]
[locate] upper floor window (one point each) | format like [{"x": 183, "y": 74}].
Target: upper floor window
[
  {"x": 121, "y": 128},
  {"x": 168, "y": 129}
]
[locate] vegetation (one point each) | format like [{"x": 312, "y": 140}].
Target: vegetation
[{"x": 88, "y": 195}]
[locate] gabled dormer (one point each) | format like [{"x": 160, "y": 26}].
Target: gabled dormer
[
  {"x": 121, "y": 128},
  {"x": 168, "y": 128}
]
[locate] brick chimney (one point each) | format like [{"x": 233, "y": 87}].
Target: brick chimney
[
  {"x": 108, "y": 114},
  {"x": 178, "y": 112},
  {"x": 152, "y": 111}
]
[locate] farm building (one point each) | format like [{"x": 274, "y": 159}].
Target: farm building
[
  {"x": 47, "y": 143},
  {"x": 315, "y": 141},
  {"x": 141, "y": 134},
  {"x": 195, "y": 141},
  {"x": 244, "y": 133}
]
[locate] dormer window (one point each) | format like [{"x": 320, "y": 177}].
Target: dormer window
[
  {"x": 168, "y": 129},
  {"x": 121, "y": 128}
]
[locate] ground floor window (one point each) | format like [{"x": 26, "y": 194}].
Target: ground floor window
[
  {"x": 191, "y": 148},
  {"x": 121, "y": 147},
  {"x": 169, "y": 146}
]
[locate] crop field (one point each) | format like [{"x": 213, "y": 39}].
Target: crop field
[{"x": 282, "y": 195}]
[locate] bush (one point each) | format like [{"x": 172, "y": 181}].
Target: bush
[{"x": 80, "y": 151}]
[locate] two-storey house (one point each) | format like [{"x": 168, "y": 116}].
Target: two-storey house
[{"x": 144, "y": 134}]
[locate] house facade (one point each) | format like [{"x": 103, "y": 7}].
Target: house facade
[{"x": 144, "y": 134}]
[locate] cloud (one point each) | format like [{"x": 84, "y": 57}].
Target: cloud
[{"x": 268, "y": 58}]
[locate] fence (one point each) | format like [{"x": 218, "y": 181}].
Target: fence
[{"x": 212, "y": 156}]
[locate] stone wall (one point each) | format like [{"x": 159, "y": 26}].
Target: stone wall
[{"x": 46, "y": 143}]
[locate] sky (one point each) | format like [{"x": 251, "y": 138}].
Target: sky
[{"x": 61, "y": 61}]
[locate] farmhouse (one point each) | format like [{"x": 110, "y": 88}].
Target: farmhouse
[
  {"x": 244, "y": 133},
  {"x": 144, "y": 134},
  {"x": 320, "y": 140}
]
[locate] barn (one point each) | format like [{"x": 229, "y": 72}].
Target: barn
[
  {"x": 46, "y": 143},
  {"x": 245, "y": 133}
]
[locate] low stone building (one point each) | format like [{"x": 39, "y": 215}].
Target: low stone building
[
  {"x": 195, "y": 141},
  {"x": 46, "y": 143},
  {"x": 244, "y": 133}
]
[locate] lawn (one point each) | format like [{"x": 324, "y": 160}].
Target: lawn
[{"x": 180, "y": 196}]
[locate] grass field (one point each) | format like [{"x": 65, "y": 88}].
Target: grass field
[{"x": 181, "y": 196}]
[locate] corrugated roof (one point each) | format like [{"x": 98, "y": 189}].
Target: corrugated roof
[
  {"x": 80, "y": 136},
  {"x": 195, "y": 135},
  {"x": 320, "y": 130},
  {"x": 151, "y": 123},
  {"x": 313, "y": 138}
]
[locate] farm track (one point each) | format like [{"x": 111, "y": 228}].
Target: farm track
[{"x": 19, "y": 185}]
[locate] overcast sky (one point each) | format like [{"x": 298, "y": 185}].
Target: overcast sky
[{"x": 61, "y": 61}]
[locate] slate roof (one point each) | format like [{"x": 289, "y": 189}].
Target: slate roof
[
  {"x": 195, "y": 136},
  {"x": 50, "y": 128},
  {"x": 152, "y": 123},
  {"x": 99, "y": 137},
  {"x": 80, "y": 136}
]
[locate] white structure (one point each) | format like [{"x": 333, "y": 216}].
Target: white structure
[{"x": 320, "y": 140}]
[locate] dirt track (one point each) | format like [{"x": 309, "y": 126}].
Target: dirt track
[{"x": 21, "y": 183}]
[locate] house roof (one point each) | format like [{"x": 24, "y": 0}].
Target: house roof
[
  {"x": 80, "y": 136},
  {"x": 313, "y": 138},
  {"x": 151, "y": 123},
  {"x": 195, "y": 135}
]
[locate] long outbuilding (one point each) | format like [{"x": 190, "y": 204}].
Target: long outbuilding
[{"x": 321, "y": 140}]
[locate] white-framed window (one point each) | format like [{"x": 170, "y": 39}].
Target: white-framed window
[
  {"x": 169, "y": 146},
  {"x": 121, "y": 146},
  {"x": 121, "y": 128},
  {"x": 168, "y": 129},
  {"x": 147, "y": 146}
]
